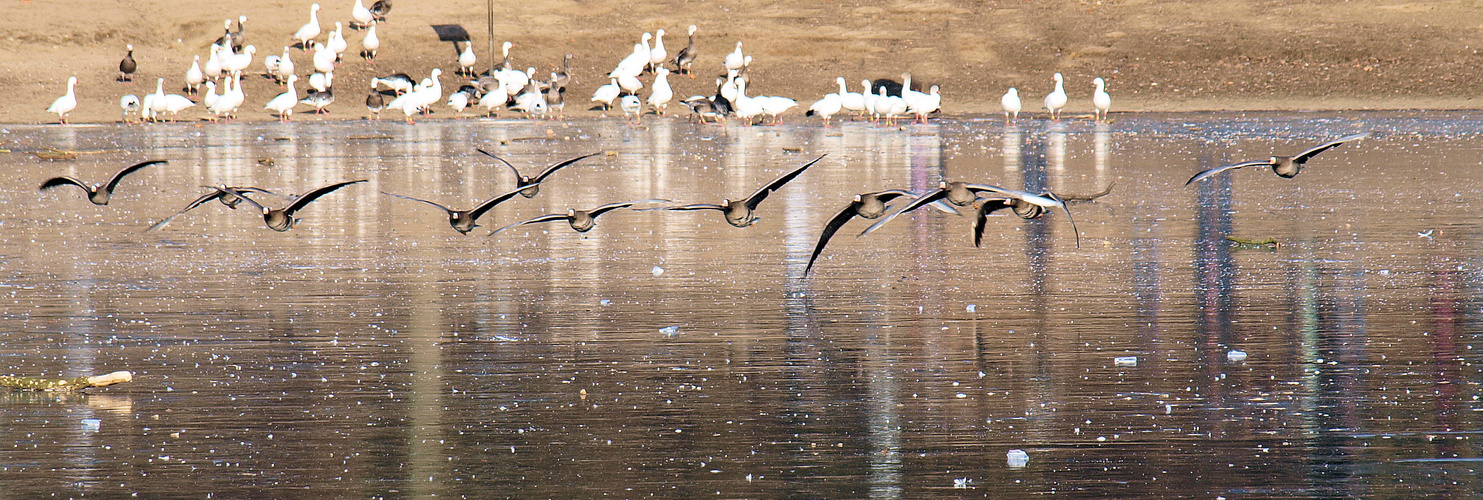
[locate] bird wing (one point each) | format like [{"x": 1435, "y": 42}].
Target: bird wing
[
  {"x": 490, "y": 203},
  {"x": 762, "y": 192},
  {"x": 1012, "y": 193},
  {"x": 445, "y": 209},
  {"x": 121, "y": 173},
  {"x": 838, "y": 221},
  {"x": 1087, "y": 197},
  {"x": 553, "y": 168},
  {"x": 64, "y": 180},
  {"x": 306, "y": 198},
  {"x": 1067, "y": 209},
  {"x": 696, "y": 206},
  {"x": 930, "y": 197},
  {"x": 543, "y": 218},
  {"x": 1313, "y": 151},
  {"x": 501, "y": 160},
  {"x": 239, "y": 194},
  {"x": 614, "y": 206},
  {"x": 214, "y": 194},
  {"x": 988, "y": 206},
  {"x": 1223, "y": 168}
]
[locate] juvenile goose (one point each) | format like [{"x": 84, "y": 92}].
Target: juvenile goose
[
  {"x": 229, "y": 200},
  {"x": 100, "y": 193},
  {"x": 464, "y": 221},
  {"x": 1284, "y": 166},
  {"x": 739, "y": 213},
  {"x": 686, "y": 56},
  {"x": 529, "y": 186},
  {"x": 283, "y": 219},
  {"x": 580, "y": 220},
  {"x": 375, "y": 102}
]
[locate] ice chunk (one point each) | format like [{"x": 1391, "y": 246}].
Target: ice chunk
[
  {"x": 657, "y": 271},
  {"x": 670, "y": 330},
  {"x": 1125, "y": 361},
  {"x": 1236, "y": 356},
  {"x": 1017, "y": 459}
]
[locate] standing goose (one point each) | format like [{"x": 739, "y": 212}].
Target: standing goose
[
  {"x": 580, "y": 220},
  {"x": 826, "y": 107},
  {"x": 1101, "y": 100},
  {"x": 380, "y": 9},
  {"x": 853, "y": 102},
  {"x": 963, "y": 194},
  {"x": 337, "y": 43},
  {"x": 466, "y": 60},
  {"x": 370, "y": 44},
  {"x": 660, "y": 96},
  {"x": 633, "y": 109},
  {"x": 194, "y": 77},
  {"x": 65, "y": 104},
  {"x": 735, "y": 60},
  {"x": 375, "y": 102},
  {"x": 529, "y": 186},
  {"x": 129, "y": 104},
  {"x": 100, "y": 193},
  {"x": 658, "y": 54},
  {"x": 360, "y": 16},
  {"x": 283, "y": 219},
  {"x": 686, "y": 56},
  {"x": 1011, "y": 104},
  {"x": 282, "y": 106},
  {"x": 740, "y": 213},
  {"x": 1284, "y": 166},
  {"x": 1056, "y": 100},
  {"x": 561, "y": 77},
  {"x": 464, "y": 221},
  {"x": 309, "y": 30},
  {"x": 127, "y": 66},
  {"x": 285, "y": 68},
  {"x": 230, "y": 200},
  {"x": 319, "y": 99}
]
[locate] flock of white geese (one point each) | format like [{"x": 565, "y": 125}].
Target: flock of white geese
[{"x": 504, "y": 87}]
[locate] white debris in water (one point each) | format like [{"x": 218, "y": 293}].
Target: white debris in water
[
  {"x": 972, "y": 307},
  {"x": 960, "y": 482},
  {"x": 657, "y": 271},
  {"x": 1236, "y": 356},
  {"x": 1017, "y": 459},
  {"x": 1125, "y": 361},
  {"x": 605, "y": 302},
  {"x": 91, "y": 425},
  {"x": 670, "y": 330}
]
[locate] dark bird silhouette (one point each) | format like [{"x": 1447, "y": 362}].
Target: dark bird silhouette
[
  {"x": 464, "y": 221},
  {"x": 127, "y": 66},
  {"x": 739, "y": 213},
  {"x": 964, "y": 194},
  {"x": 1284, "y": 166},
  {"x": 580, "y": 220},
  {"x": 1024, "y": 209},
  {"x": 217, "y": 193},
  {"x": 867, "y": 205},
  {"x": 380, "y": 9},
  {"x": 283, "y": 219},
  {"x": 98, "y": 194},
  {"x": 531, "y": 185}
]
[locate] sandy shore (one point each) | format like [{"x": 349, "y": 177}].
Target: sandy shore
[{"x": 1156, "y": 56}]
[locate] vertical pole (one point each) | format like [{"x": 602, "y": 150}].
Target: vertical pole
[{"x": 490, "y": 55}]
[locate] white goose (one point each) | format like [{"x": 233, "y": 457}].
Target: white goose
[
  {"x": 175, "y": 103},
  {"x": 68, "y": 102},
  {"x": 911, "y": 96},
  {"x": 746, "y": 108},
  {"x": 213, "y": 63},
  {"x": 735, "y": 59},
  {"x": 1056, "y": 99},
  {"x": 360, "y": 15},
  {"x": 1011, "y": 104},
  {"x": 850, "y": 101},
  {"x": 283, "y": 105},
  {"x": 209, "y": 100},
  {"x": 634, "y": 64},
  {"x": 868, "y": 97},
  {"x": 660, "y": 96},
  {"x": 926, "y": 105},
  {"x": 458, "y": 101},
  {"x": 466, "y": 60},
  {"x": 657, "y": 55},
  {"x": 129, "y": 104},
  {"x": 231, "y": 98},
  {"x": 370, "y": 44},
  {"x": 1101, "y": 99},
  {"x": 285, "y": 67},
  {"x": 309, "y": 30},
  {"x": 238, "y": 62},
  {"x": 337, "y": 43},
  {"x": 607, "y": 93},
  {"x": 633, "y": 109},
  {"x": 321, "y": 82},
  {"x": 829, "y": 105},
  {"x": 157, "y": 99},
  {"x": 194, "y": 76},
  {"x": 492, "y": 100},
  {"x": 324, "y": 58}
]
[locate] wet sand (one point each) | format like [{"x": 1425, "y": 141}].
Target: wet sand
[{"x": 1156, "y": 56}]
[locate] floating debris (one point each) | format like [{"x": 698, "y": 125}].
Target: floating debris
[
  {"x": 1125, "y": 361},
  {"x": 1236, "y": 356},
  {"x": 1243, "y": 243},
  {"x": 1017, "y": 459}
]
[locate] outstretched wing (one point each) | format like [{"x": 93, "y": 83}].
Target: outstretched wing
[
  {"x": 64, "y": 180},
  {"x": 614, "y": 206},
  {"x": 1013, "y": 193},
  {"x": 445, "y": 209},
  {"x": 552, "y": 169},
  {"x": 1087, "y": 197},
  {"x": 543, "y": 218},
  {"x": 1223, "y": 168},
  {"x": 988, "y": 206},
  {"x": 697, "y": 206},
  {"x": 484, "y": 207},
  {"x": 113, "y": 182},
  {"x": 1311, "y": 152},
  {"x": 501, "y": 160},
  {"x": 214, "y": 194},
  {"x": 761, "y": 194},
  {"x": 839, "y": 220},
  {"x": 309, "y": 197},
  {"x": 931, "y": 196},
  {"x": 1067, "y": 209}
]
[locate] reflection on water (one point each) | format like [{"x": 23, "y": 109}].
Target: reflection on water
[{"x": 373, "y": 351}]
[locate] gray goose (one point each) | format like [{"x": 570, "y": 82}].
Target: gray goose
[
  {"x": 217, "y": 193},
  {"x": 531, "y": 185},
  {"x": 739, "y": 213},
  {"x": 100, "y": 193},
  {"x": 1284, "y": 166},
  {"x": 464, "y": 221},
  {"x": 283, "y": 219},
  {"x": 580, "y": 220}
]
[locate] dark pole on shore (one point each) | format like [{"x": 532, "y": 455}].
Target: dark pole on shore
[{"x": 490, "y": 57}]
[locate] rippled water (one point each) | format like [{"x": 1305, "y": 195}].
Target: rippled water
[{"x": 374, "y": 352}]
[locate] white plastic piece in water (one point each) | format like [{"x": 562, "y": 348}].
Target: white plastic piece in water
[
  {"x": 670, "y": 330},
  {"x": 1236, "y": 356},
  {"x": 1017, "y": 459},
  {"x": 657, "y": 271},
  {"x": 972, "y": 307},
  {"x": 960, "y": 483},
  {"x": 1125, "y": 361},
  {"x": 605, "y": 302},
  {"x": 91, "y": 425}
]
